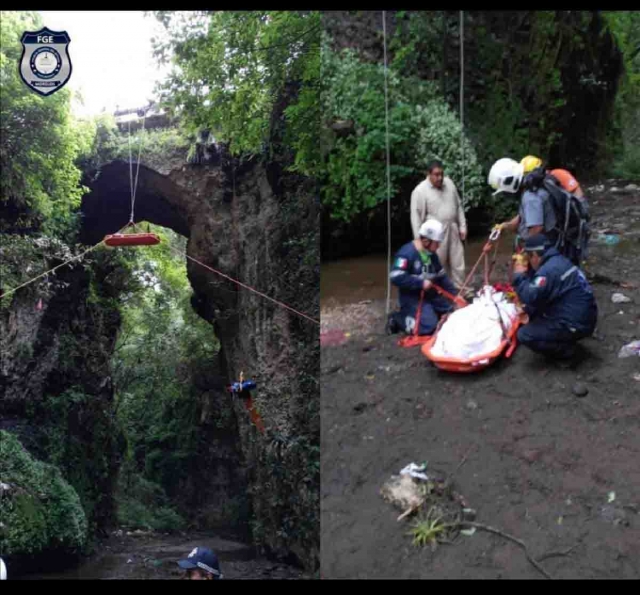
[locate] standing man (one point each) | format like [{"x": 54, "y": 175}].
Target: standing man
[{"x": 437, "y": 198}]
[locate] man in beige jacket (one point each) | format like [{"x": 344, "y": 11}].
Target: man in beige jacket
[{"x": 436, "y": 197}]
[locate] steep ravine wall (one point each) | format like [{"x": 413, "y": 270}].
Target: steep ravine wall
[{"x": 254, "y": 222}]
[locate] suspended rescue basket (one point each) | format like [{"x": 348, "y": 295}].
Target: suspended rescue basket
[{"x": 131, "y": 239}]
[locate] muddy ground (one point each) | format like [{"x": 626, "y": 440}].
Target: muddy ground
[
  {"x": 149, "y": 555},
  {"x": 553, "y": 469}
]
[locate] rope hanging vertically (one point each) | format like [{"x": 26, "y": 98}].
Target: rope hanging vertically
[
  {"x": 130, "y": 169},
  {"x": 386, "y": 113},
  {"x": 462, "y": 94}
]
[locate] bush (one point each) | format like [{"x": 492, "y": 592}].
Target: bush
[
  {"x": 421, "y": 127},
  {"x": 142, "y": 504},
  {"x": 39, "y": 509}
]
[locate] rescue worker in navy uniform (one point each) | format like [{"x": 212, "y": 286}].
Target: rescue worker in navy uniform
[
  {"x": 416, "y": 268},
  {"x": 557, "y": 298}
]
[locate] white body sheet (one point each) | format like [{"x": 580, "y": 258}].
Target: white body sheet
[{"x": 475, "y": 330}]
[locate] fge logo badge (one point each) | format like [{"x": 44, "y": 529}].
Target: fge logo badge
[{"x": 45, "y": 66}]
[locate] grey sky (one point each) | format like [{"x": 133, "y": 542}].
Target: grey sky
[{"x": 111, "y": 57}]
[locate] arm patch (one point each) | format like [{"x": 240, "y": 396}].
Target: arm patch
[
  {"x": 540, "y": 281},
  {"x": 402, "y": 263}
]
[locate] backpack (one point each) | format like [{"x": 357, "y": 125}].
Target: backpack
[{"x": 572, "y": 215}]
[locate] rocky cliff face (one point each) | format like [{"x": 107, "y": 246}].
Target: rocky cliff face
[
  {"x": 56, "y": 339},
  {"x": 252, "y": 221}
]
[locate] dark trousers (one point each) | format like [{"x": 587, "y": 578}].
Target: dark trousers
[
  {"x": 550, "y": 338},
  {"x": 432, "y": 309}
]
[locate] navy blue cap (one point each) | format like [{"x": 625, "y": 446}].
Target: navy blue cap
[
  {"x": 204, "y": 558},
  {"x": 536, "y": 243}
]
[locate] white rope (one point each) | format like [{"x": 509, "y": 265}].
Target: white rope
[
  {"x": 130, "y": 171},
  {"x": 462, "y": 95},
  {"x": 386, "y": 109},
  {"x": 135, "y": 185}
]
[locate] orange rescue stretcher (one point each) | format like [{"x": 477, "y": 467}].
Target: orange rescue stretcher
[
  {"x": 415, "y": 339},
  {"x": 480, "y": 362},
  {"x": 509, "y": 340},
  {"x": 131, "y": 239}
]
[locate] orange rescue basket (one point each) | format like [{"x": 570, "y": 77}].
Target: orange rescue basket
[
  {"x": 131, "y": 239},
  {"x": 474, "y": 364}
]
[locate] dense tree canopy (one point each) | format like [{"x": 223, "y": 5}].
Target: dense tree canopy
[
  {"x": 40, "y": 141},
  {"x": 625, "y": 135},
  {"x": 230, "y": 69}
]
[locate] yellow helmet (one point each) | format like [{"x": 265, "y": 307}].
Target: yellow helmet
[{"x": 530, "y": 163}]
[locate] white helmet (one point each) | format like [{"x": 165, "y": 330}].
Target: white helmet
[
  {"x": 506, "y": 175},
  {"x": 433, "y": 230},
  {"x": 3, "y": 571}
]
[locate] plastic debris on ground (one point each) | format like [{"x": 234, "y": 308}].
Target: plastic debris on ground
[
  {"x": 630, "y": 349},
  {"x": 607, "y": 239},
  {"x": 620, "y": 298},
  {"x": 476, "y": 329},
  {"x": 403, "y": 492},
  {"x": 416, "y": 471}
]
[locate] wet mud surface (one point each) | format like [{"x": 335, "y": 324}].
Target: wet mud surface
[
  {"x": 542, "y": 460},
  {"x": 142, "y": 555}
]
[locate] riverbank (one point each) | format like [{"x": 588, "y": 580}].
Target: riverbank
[
  {"x": 539, "y": 462},
  {"x": 150, "y": 555}
]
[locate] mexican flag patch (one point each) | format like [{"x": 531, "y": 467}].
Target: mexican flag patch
[
  {"x": 540, "y": 281},
  {"x": 402, "y": 263}
]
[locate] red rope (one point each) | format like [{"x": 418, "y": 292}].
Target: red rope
[
  {"x": 243, "y": 285},
  {"x": 252, "y": 289}
]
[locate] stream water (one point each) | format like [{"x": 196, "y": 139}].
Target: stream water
[
  {"x": 351, "y": 280},
  {"x": 148, "y": 555}
]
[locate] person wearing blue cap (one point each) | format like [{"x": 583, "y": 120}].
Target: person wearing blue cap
[
  {"x": 201, "y": 564},
  {"x": 557, "y": 298}
]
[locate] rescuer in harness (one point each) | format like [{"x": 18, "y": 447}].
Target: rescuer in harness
[
  {"x": 416, "y": 268},
  {"x": 536, "y": 214},
  {"x": 557, "y": 298},
  {"x": 534, "y": 165},
  {"x": 545, "y": 206}
]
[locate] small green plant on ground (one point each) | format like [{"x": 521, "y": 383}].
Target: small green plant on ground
[{"x": 428, "y": 528}]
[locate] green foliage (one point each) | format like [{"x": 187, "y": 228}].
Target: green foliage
[
  {"x": 153, "y": 146},
  {"x": 421, "y": 127},
  {"x": 625, "y": 134},
  {"x": 40, "y": 141},
  {"x": 143, "y": 504},
  {"x": 287, "y": 480},
  {"x": 25, "y": 257},
  {"x": 163, "y": 349},
  {"x": 40, "y": 510},
  {"x": 231, "y": 68}
]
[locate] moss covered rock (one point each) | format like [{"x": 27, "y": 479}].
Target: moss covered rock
[{"x": 40, "y": 511}]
